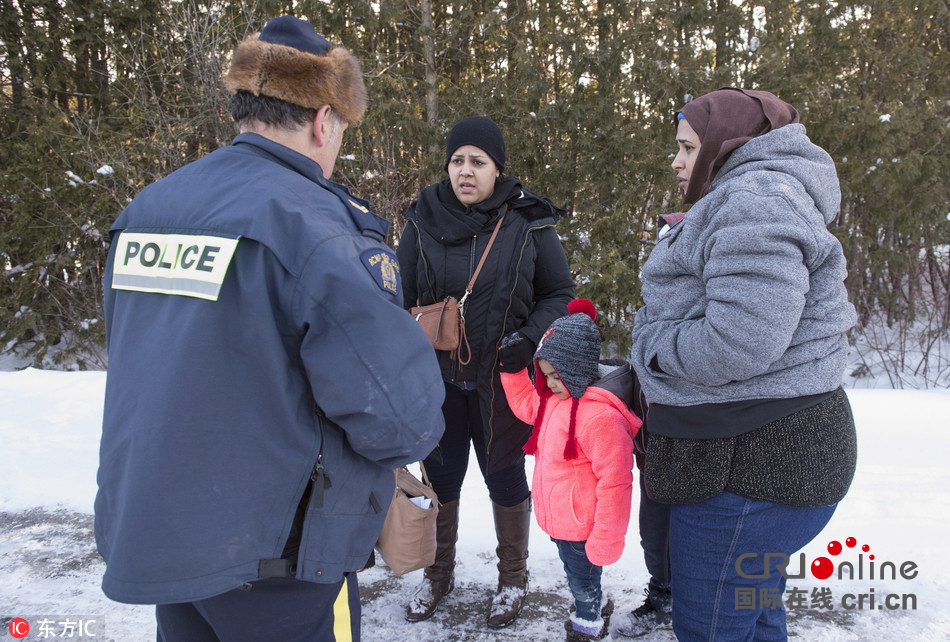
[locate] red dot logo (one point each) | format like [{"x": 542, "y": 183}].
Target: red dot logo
[
  {"x": 851, "y": 542},
  {"x": 834, "y": 548},
  {"x": 19, "y": 628},
  {"x": 822, "y": 568},
  {"x": 865, "y": 548}
]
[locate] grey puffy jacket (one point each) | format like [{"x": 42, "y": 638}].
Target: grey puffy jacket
[{"x": 744, "y": 298}]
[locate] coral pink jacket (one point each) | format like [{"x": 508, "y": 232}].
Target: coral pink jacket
[{"x": 588, "y": 498}]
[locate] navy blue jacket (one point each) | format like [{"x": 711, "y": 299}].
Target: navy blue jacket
[{"x": 238, "y": 382}]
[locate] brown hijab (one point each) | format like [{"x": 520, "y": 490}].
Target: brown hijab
[{"x": 725, "y": 120}]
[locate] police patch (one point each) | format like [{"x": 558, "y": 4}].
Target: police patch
[
  {"x": 383, "y": 267},
  {"x": 183, "y": 264}
]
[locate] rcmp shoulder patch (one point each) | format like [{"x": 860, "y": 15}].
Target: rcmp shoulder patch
[{"x": 384, "y": 268}]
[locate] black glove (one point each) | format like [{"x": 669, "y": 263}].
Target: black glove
[{"x": 515, "y": 353}]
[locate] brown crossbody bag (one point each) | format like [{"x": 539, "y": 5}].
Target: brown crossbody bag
[{"x": 444, "y": 322}]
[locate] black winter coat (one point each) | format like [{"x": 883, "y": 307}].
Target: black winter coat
[{"x": 524, "y": 285}]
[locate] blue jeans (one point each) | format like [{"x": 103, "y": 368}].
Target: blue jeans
[
  {"x": 711, "y": 600},
  {"x": 583, "y": 578}
]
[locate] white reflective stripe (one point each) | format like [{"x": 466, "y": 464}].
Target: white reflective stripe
[
  {"x": 185, "y": 264},
  {"x": 166, "y": 285}
]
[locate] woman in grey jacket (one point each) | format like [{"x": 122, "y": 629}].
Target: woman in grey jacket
[{"x": 740, "y": 348}]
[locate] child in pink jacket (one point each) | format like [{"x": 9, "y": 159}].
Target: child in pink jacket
[{"x": 583, "y": 447}]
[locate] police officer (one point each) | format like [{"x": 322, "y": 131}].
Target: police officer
[{"x": 263, "y": 378}]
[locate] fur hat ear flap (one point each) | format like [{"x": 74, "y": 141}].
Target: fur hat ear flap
[{"x": 279, "y": 62}]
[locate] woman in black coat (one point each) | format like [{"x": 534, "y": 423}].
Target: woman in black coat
[{"x": 524, "y": 285}]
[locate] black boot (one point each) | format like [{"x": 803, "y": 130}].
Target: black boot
[
  {"x": 439, "y": 579},
  {"x": 656, "y": 612},
  {"x": 511, "y": 528}
]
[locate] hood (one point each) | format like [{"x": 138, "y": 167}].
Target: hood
[
  {"x": 788, "y": 150},
  {"x": 618, "y": 387},
  {"x": 617, "y": 377}
]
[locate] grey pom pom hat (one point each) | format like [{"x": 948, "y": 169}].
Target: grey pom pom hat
[{"x": 572, "y": 346}]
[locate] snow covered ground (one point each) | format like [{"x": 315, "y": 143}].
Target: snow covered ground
[{"x": 899, "y": 506}]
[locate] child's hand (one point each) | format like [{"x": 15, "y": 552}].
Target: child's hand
[{"x": 604, "y": 552}]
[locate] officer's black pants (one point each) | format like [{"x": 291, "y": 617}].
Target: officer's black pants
[{"x": 288, "y": 610}]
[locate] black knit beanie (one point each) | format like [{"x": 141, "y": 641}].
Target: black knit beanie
[
  {"x": 483, "y": 133},
  {"x": 572, "y": 346}
]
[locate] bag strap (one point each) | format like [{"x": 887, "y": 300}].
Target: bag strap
[
  {"x": 481, "y": 261},
  {"x": 463, "y": 337},
  {"x": 463, "y": 340},
  {"x": 422, "y": 467},
  {"x": 425, "y": 478}
]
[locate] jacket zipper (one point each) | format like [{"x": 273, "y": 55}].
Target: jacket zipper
[
  {"x": 504, "y": 329},
  {"x": 320, "y": 480},
  {"x": 471, "y": 258},
  {"x": 471, "y": 271},
  {"x": 313, "y": 494},
  {"x": 425, "y": 264}
]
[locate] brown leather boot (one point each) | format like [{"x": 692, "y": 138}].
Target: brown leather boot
[
  {"x": 439, "y": 579},
  {"x": 511, "y": 528}
]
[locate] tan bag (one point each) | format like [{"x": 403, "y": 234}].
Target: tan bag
[
  {"x": 444, "y": 322},
  {"x": 407, "y": 541}
]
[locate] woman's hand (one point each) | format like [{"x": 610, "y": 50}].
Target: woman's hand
[{"x": 515, "y": 353}]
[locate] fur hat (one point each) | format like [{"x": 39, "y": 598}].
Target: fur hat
[
  {"x": 290, "y": 61},
  {"x": 483, "y": 133}
]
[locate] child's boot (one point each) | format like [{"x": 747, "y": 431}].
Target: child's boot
[{"x": 579, "y": 630}]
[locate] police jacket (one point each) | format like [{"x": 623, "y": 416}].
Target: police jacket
[
  {"x": 258, "y": 355},
  {"x": 525, "y": 284}
]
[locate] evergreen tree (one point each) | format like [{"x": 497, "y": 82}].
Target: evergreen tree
[{"x": 98, "y": 99}]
